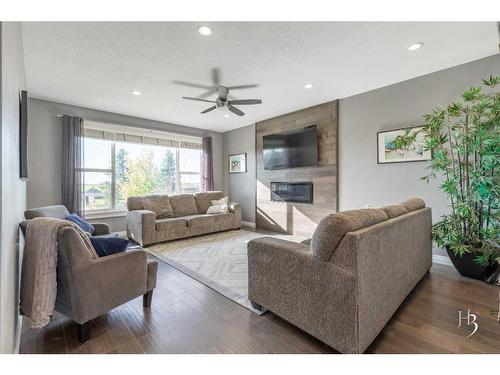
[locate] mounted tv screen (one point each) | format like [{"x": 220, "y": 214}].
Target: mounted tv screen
[{"x": 291, "y": 149}]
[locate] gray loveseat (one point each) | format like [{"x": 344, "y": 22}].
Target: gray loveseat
[
  {"x": 344, "y": 284},
  {"x": 159, "y": 218}
]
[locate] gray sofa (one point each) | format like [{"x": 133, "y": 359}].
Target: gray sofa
[
  {"x": 158, "y": 218},
  {"x": 87, "y": 288},
  {"x": 344, "y": 284}
]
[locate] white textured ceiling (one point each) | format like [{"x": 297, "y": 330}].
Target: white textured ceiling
[{"x": 97, "y": 65}]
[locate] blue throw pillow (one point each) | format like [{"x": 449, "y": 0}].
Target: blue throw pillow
[
  {"x": 109, "y": 245},
  {"x": 86, "y": 226}
]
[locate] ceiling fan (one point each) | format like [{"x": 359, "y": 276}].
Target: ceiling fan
[{"x": 224, "y": 100}]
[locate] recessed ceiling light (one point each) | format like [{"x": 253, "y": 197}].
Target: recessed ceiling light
[
  {"x": 136, "y": 92},
  {"x": 205, "y": 30},
  {"x": 415, "y": 46},
  {"x": 226, "y": 115},
  {"x": 308, "y": 86}
]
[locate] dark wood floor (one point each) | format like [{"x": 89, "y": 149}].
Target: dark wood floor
[{"x": 188, "y": 317}]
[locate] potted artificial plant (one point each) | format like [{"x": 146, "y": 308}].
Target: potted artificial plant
[{"x": 465, "y": 142}]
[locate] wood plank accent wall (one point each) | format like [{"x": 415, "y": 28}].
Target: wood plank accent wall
[{"x": 300, "y": 219}]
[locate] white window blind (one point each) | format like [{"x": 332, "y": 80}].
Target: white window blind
[{"x": 146, "y": 139}]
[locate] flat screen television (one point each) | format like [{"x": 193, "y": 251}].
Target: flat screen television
[{"x": 291, "y": 149}]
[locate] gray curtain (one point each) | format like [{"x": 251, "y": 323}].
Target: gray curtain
[
  {"x": 207, "y": 168},
  {"x": 72, "y": 175}
]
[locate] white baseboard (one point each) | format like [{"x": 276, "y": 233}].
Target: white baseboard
[
  {"x": 19, "y": 328},
  {"x": 441, "y": 259},
  {"x": 248, "y": 224}
]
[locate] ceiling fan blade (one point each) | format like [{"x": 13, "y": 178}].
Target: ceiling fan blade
[
  {"x": 242, "y": 87},
  {"x": 235, "y": 110},
  {"x": 245, "y": 101},
  {"x": 216, "y": 76},
  {"x": 192, "y": 85},
  {"x": 209, "y": 109},
  {"x": 209, "y": 92},
  {"x": 198, "y": 99}
]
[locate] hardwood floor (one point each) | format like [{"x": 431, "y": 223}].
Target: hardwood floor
[{"x": 188, "y": 317}]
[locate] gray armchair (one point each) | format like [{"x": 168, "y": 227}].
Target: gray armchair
[
  {"x": 60, "y": 212},
  {"x": 86, "y": 287}
]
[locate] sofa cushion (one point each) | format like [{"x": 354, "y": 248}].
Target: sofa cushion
[
  {"x": 413, "y": 204},
  {"x": 183, "y": 205},
  {"x": 203, "y": 200},
  {"x": 332, "y": 229},
  {"x": 199, "y": 220},
  {"x": 135, "y": 203},
  {"x": 395, "y": 210},
  {"x": 163, "y": 225},
  {"x": 160, "y": 205}
]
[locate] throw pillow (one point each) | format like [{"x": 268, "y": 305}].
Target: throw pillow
[
  {"x": 84, "y": 225},
  {"x": 220, "y": 202},
  {"x": 219, "y": 206},
  {"x": 105, "y": 246},
  {"x": 218, "y": 209}
]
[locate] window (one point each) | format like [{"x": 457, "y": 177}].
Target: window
[{"x": 114, "y": 170}]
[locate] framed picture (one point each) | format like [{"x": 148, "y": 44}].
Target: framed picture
[
  {"x": 238, "y": 163},
  {"x": 401, "y": 145}
]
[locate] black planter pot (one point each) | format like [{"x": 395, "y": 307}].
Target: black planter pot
[{"x": 465, "y": 265}]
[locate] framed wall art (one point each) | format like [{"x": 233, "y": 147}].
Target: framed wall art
[
  {"x": 238, "y": 163},
  {"x": 401, "y": 145}
]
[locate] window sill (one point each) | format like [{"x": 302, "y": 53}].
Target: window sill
[{"x": 105, "y": 214}]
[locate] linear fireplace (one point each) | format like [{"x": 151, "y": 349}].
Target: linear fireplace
[{"x": 301, "y": 192}]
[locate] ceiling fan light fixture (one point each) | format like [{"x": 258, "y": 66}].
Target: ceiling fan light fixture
[
  {"x": 308, "y": 86},
  {"x": 415, "y": 46},
  {"x": 136, "y": 92},
  {"x": 204, "y": 30}
]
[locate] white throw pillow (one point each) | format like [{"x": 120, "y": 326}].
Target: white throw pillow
[
  {"x": 219, "y": 207},
  {"x": 220, "y": 202}
]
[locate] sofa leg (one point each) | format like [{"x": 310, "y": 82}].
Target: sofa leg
[
  {"x": 84, "y": 332},
  {"x": 256, "y": 306},
  {"x": 146, "y": 299}
]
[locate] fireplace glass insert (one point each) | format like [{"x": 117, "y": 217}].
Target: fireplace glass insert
[{"x": 301, "y": 192}]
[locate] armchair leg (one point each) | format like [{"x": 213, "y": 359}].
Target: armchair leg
[
  {"x": 84, "y": 332},
  {"x": 146, "y": 299},
  {"x": 256, "y": 306}
]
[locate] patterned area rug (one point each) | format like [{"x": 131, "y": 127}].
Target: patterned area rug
[{"x": 218, "y": 260}]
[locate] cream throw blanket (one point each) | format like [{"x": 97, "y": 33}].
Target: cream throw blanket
[{"x": 39, "y": 268}]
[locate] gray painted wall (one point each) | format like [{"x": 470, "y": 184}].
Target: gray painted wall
[
  {"x": 362, "y": 180},
  {"x": 13, "y": 189},
  {"x": 45, "y": 148},
  {"x": 240, "y": 187}
]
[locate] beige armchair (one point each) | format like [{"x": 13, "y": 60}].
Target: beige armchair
[{"x": 87, "y": 288}]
